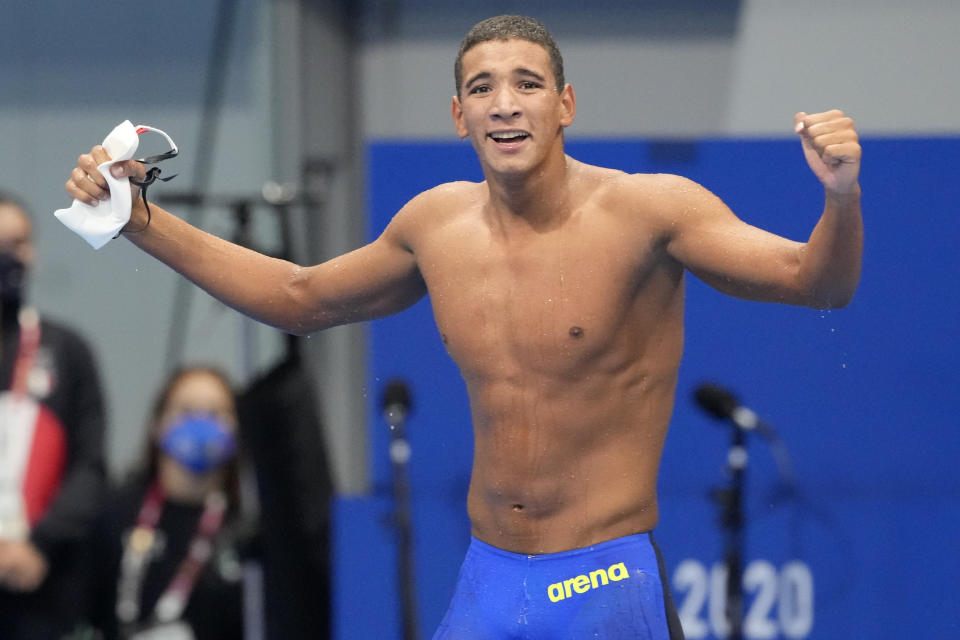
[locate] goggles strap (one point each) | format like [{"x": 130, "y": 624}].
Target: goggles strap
[{"x": 153, "y": 174}]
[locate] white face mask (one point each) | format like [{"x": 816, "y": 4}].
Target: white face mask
[{"x": 100, "y": 224}]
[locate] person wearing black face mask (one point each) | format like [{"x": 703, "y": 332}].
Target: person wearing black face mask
[
  {"x": 51, "y": 450},
  {"x": 12, "y": 276},
  {"x": 167, "y": 548}
]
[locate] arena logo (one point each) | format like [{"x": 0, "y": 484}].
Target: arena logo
[{"x": 583, "y": 583}]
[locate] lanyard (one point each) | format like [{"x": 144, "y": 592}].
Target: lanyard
[
  {"x": 18, "y": 416},
  {"x": 136, "y": 555},
  {"x": 26, "y": 352}
]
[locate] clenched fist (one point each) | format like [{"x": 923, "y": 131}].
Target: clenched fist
[{"x": 832, "y": 149}]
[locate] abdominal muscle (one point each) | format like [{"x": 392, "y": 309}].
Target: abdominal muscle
[
  {"x": 560, "y": 465},
  {"x": 568, "y": 336}
]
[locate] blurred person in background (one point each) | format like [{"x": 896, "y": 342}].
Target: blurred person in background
[
  {"x": 166, "y": 549},
  {"x": 51, "y": 449}
]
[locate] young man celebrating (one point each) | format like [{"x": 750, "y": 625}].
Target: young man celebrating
[{"x": 558, "y": 290}]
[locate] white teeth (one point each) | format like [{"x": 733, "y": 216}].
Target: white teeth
[{"x": 508, "y": 135}]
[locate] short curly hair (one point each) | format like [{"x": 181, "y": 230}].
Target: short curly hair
[{"x": 504, "y": 28}]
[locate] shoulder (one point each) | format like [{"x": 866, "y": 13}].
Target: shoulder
[
  {"x": 660, "y": 199},
  {"x": 64, "y": 339},
  {"x": 434, "y": 208},
  {"x": 441, "y": 199},
  {"x": 53, "y": 328},
  {"x": 661, "y": 188},
  {"x": 615, "y": 185}
]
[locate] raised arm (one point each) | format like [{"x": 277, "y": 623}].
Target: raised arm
[
  {"x": 747, "y": 262},
  {"x": 373, "y": 281}
]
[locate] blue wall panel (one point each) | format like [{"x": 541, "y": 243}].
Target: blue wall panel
[{"x": 863, "y": 399}]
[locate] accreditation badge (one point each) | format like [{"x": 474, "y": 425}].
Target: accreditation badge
[{"x": 177, "y": 630}]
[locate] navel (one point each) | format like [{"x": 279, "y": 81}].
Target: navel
[
  {"x": 518, "y": 507},
  {"x": 576, "y": 332}
]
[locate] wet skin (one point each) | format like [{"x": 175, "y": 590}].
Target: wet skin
[
  {"x": 557, "y": 288},
  {"x": 568, "y": 338}
]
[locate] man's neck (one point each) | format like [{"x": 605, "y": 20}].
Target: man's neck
[{"x": 539, "y": 197}]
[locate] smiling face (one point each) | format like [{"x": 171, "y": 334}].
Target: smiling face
[{"x": 510, "y": 107}]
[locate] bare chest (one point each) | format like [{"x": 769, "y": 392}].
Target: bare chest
[{"x": 547, "y": 302}]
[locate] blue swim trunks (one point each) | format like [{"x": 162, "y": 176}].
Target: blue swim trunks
[{"x": 615, "y": 590}]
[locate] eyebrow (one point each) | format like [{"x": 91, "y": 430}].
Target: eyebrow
[
  {"x": 527, "y": 72},
  {"x": 485, "y": 75}
]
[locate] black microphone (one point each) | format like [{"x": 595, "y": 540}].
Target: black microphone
[
  {"x": 396, "y": 402},
  {"x": 723, "y": 405}
]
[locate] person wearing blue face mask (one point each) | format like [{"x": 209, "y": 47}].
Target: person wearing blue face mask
[
  {"x": 167, "y": 548},
  {"x": 199, "y": 441}
]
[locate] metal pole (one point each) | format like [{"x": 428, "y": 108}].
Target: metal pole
[{"x": 396, "y": 405}]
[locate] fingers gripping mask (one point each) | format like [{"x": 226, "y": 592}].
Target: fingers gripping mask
[
  {"x": 200, "y": 442},
  {"x": 100, "y": 224}
]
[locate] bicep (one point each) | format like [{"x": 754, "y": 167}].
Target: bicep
[{"x": 729, "y": 254}]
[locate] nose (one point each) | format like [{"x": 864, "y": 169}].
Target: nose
[{"x": 505, "y": 106}]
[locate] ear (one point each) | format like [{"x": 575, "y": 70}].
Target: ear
[
  {"x": 456, "y": 111},
  {"x": 568, "y": 106}
]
